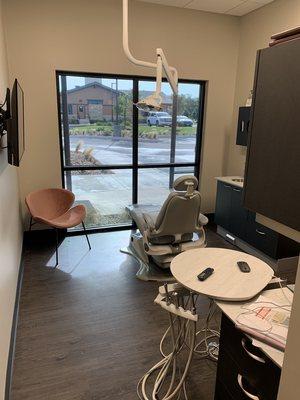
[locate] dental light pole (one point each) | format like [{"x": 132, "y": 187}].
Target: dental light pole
[
  {"x": 154, "y": 101},
  {"x": 186, "y": 330}
]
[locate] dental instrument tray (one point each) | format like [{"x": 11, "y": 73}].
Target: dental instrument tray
[{"x": 227, "y": 282}]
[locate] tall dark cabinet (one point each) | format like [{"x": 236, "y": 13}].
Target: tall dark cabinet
[{"x": 272, "y": 178}]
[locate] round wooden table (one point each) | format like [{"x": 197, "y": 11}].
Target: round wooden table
[{"x": 227, "y": 282}]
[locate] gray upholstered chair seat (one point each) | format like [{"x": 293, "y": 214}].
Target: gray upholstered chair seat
[{"x": 170, "y": 239}]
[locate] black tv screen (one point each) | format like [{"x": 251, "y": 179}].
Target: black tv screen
[{"x": 16, "y": 133}]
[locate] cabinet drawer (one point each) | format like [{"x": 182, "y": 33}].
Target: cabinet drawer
[
  {"x": 229, "y": 373},
  {"x": 238, "y": 345},
  {"x": 221, "y": 392},
  {"x": 261, "y": 237},
  {"x": 260, "y": 373}
]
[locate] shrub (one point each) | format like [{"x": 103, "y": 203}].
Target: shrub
[
  {"x": 103, "y": 123},
  {"x": 79, "y": 146},
  {"x": 88, "y": 154},
  {"x": 126, "y": 133}
]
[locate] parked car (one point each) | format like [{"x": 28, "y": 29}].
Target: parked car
[
  {"x": 159, "y": 118},
  {"x": 182, "y": 120}
]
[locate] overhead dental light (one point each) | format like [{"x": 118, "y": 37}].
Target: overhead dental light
[{"x": 154, "y": 101}]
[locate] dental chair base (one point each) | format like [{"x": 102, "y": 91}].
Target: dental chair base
[
  {"x": 148, "y": 270},
  {"x": 168, "y": 230},
  {"x": 154, "y": 264}
]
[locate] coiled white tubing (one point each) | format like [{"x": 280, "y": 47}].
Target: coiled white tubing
[{"x": 168, "y": 361}]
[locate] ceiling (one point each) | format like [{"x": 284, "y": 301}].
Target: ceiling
[{"x": 232, "y": 7}]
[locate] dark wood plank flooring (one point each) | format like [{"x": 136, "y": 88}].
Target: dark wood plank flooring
[{"x": 90, "y": 329}]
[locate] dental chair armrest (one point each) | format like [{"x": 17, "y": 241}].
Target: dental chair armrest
[
  {"x": 203, "y": 220},
  {"x": 149, "y": 221}
]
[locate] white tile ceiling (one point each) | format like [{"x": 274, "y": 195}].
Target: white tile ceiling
[{"x": 232, "y": 7}]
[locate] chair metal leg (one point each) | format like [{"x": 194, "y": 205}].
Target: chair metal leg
[
  {"x": 87, "y": 238},
  {"x": 56, "y": 247},
  {"x": 30, "y": 224}
]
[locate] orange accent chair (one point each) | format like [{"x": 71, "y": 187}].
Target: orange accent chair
[{"x": 53, "y": 207}]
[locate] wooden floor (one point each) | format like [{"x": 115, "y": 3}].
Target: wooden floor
[{"x": 89, "y": 330}]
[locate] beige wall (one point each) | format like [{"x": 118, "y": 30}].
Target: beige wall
[
  {"x": 289, "y": 386},
  {"x": 10, "y": 232},
  {"x": 47, "y": 35},
  {"x": 255, "y": 32}
]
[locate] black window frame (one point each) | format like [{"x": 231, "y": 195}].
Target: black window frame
[{"x": 135, "y": 165}]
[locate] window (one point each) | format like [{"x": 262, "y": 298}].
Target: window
[
  {"x": 70, "y": 109},
  {"x": 113, "y": 155},
  {"x": 95, "y": 101}
]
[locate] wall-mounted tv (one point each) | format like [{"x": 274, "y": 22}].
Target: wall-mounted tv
[
  {"x": 4, "y": 115},
  {"x": 15, "y": 129}
]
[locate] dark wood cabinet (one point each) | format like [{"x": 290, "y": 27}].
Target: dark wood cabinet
[
  {"x": 223, "y": 205},
  {"x": 243, "y": 126},
  {"x": 261, "y": 237},
  {"x": 243, "y": 367},
  {"x": 231, "y": 215},
  {"x": 273, "y": 162},
  {"x": 238, "y": 214}
]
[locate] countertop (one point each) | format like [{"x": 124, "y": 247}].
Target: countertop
[
  {"x": 228, "y": 179},
  {"x": 232, "y": 310}
]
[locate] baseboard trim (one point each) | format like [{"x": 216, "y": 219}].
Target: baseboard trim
[
  {"x": 42, "y": 234},
  {"x": 12, "y": 345}
]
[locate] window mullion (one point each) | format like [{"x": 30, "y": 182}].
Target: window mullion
[{"x": 135, "y": 140}]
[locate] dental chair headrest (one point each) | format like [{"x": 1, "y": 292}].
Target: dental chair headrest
[{"x": 183, "y": 182}]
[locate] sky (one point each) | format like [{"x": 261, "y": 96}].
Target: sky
[{"x": 184, "y": 88}]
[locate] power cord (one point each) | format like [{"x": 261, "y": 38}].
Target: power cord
[{"x": 283, "y": 292}]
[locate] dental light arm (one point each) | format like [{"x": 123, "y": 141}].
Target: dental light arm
[
  {"x": 171, "y": 72},
  {"x": 154, "y": 101}
]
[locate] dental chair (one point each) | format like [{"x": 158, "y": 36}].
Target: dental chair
[{"x": 163, "y": 232}]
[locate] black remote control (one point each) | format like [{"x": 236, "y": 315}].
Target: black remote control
[
  {"x": 243, "y": 266},
  {"x": 205, "y": 274}
]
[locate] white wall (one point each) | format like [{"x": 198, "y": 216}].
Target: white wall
[
  {"x": 87, "y": 36},
  {"x": 10, "y": 232}
]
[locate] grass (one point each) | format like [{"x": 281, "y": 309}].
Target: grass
[
  {"x": 83, "y": 127},
  {"x": 144, "y": 130}
]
